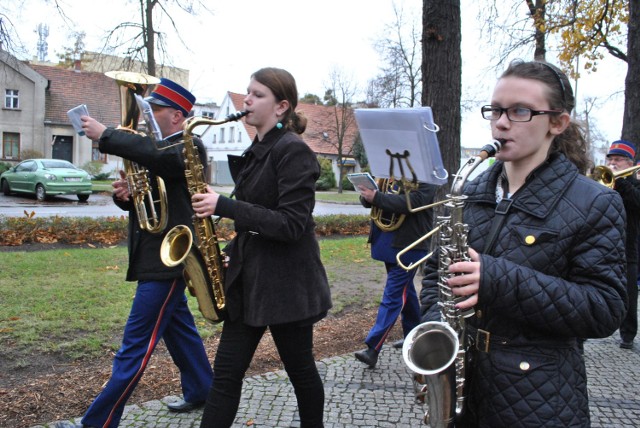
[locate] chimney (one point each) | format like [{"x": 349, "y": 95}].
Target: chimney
[{"x": 77, "y": 66}]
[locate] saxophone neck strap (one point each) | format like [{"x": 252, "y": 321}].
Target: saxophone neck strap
[{"x": 498, "y": 221}]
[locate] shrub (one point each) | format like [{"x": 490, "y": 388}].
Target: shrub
[
  {"x": 113, "y": 230},
  {"x": 327, "y": 179},
  {"x": 346, "y": 184},
  {"x": 94, "y": 168},
  {"x": 30, "y": 154},
  {"x": 4, "y": 166}
]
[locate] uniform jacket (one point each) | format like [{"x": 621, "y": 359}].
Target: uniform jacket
[
  {"x": 629, "y": 190},
  {"x": 275, "y": 274},
  {"x": 144, "y": 247},
  {"x": 556, "y": 273},
  {"x": 415, "y": 225}
]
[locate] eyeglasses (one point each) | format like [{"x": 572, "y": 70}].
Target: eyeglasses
[{"x": 514, "y": 114}]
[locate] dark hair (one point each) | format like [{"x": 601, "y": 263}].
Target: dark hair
[
  {"x": 560, "y": 96},
  {"x": 283, "y": 86}
]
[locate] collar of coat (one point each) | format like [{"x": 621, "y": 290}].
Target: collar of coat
[
  {"x": 260, "y": 149},
  {"x": 544, "y": 187}
]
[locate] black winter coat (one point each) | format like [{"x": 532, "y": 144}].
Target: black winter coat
[
  {"x": 144, "y": 247},
  {"x": 275, "y": 274},
  {"x": 556, "y": 273}
]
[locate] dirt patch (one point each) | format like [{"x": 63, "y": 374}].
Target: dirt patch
[{"x": 47, "y": 387}]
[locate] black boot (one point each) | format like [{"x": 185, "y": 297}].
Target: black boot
[{"x": 368, "y": 356}]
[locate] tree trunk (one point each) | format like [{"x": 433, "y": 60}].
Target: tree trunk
[
  {"x": 150, "y": 38},
  {"x": 630, "y": 122},
  {"x": 442, "y": 74}
]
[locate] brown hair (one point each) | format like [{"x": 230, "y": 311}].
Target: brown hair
[
  {"x": 283, "y": 86},
  {"x": 560, "y": 97}
]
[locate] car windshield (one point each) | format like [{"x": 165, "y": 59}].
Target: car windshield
[{"x": 57, "y": 164}]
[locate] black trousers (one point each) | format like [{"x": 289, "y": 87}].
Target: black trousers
[
  {"x": 629, "y": 327},
  {"x": 238, "y": 343}
]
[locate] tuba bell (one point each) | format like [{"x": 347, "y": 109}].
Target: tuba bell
[
  {"x": 387, "y": 222},
  {"x": 131, "y": 85}
]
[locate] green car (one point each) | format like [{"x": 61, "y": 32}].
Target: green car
[{"x": 46, "y": 177}]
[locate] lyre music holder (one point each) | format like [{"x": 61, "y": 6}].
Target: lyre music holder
[{"x": 393, "y": 135}]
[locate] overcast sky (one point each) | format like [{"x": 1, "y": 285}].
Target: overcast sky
[{"x": 309, "y": 39}]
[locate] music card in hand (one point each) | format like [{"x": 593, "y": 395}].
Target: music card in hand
[{"x": 362, "y": 179}]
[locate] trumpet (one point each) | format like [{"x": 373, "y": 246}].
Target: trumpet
[{"x": 607, "y": 177}]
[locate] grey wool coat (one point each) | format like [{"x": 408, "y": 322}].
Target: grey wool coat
[
  {"x": 555, "y": 274},
  {"x": 275, "y": 274}
]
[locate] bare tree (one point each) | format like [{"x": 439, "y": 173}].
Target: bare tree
[
  {"x": 141, "y": 40},
  {"x": 442, "y": 73},
  {"x": 398, "y": 84},
  {"x": 340, "y": 92}
]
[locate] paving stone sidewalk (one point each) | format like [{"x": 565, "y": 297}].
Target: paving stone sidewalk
[{"x": 356, "y": 396}]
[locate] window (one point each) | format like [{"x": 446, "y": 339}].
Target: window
[
  {"x": 232, "y": 134},
  {"x": 11, "y": 98},
  {"x": 207, "y": 114},
  {"x": 221, "y": 135},
  {"x": 10, "y": 145}
]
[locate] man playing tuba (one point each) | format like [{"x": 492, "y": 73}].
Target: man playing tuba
[
  {"x": 159, "y": 308},
  {"x": 399, "y": 297}
]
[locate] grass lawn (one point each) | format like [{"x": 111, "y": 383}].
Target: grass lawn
[{"x": 76, "y": 301}]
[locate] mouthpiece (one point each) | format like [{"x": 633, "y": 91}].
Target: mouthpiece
[
  {"x": 236, "y": 116},
  {"x": 490, "y": 149}
]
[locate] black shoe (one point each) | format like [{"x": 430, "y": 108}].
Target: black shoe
[
  {"x": 182, "y": 406},
  {"x": 626, "y": 344},
  {"x": 398, "y": 344},
  {"x": 368, "y": 356}
]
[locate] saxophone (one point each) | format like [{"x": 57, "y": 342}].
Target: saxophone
[
  {"x": 204, "y": 263},
  {"x": 435, "y": 351}
]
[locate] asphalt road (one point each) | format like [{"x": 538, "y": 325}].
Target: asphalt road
[{"x": 101, "y": 205}]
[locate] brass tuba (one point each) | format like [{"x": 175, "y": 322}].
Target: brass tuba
[
  {"x": 387, "y": 222},
  {"x": 606, "y": 176},
  {"x": 436, "y": 351},
  {"x": 204, "y": 262},
  {"x": 132, "y": 84}
]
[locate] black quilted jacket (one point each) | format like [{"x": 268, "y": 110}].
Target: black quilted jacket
[{"x": 556, "y": 273}]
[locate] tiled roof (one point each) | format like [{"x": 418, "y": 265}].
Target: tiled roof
[
  {"x": 320, "y": 134},
  {"x": 69, "y": 88}
]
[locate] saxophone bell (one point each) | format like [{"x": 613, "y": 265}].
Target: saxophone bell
[{"x": 429, "y": 351}]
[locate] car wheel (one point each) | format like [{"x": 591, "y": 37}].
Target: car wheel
[
  {"x": 41, "y": 194},
  {"x": 5, "y": 188},
  {"x": 83, "y": 198}
]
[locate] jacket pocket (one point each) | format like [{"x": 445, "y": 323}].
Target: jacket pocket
[
  {"x": 525, "y": 387},
  {"x": 530, "y": 236}
]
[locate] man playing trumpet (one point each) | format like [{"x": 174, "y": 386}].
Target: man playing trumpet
[{"x": 620, "y": 157}]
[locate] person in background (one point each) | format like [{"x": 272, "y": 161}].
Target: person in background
[
  {"x": 275, "y": 278},
  {"x": 620, "y": 157},
  {"x": 399, "y": 297},
  {"x": 555, "y": 270},
  {"x": 159, "y": 308}
]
